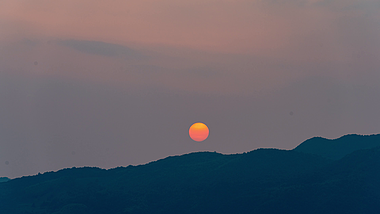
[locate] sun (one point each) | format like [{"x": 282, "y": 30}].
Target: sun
[{"x": 198, "y": 132}]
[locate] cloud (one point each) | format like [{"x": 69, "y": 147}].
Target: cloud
[{"x": 100, "y": 48}]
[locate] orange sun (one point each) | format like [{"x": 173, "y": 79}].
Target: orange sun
[{"x": 198, "y": 132}]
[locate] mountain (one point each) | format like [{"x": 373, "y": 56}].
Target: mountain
[
  {"x": 338, "y": 148},
  {"x": 260, "y": 181},
  {"x": 4, "y": 179}
]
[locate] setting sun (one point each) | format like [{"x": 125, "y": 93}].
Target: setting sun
[{"x": 198, "y": 132}]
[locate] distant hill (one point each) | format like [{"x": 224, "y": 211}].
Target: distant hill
[
  {"x": 260, "y": 181},
  {"x": 338, "y": 148},
  {"x": 4, "y": 179}
]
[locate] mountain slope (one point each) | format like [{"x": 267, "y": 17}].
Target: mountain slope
[
  {"x": 338, "y": 148},
  {"x": 261, "y": 181},
  {"x": 4, "y": 179},
  {"x": 181, "y": 184}
]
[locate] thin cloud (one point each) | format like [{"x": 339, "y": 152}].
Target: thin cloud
[{"x": 100, "y": 48}]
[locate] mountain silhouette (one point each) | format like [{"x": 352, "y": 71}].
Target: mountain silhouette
[
  {"x": 260, "y": 181},
  {"x": 4, "y": 179},
  {"x": 338, "y": 148}
]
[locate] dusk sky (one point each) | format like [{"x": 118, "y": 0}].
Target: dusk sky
[{"x": 114, "y": 83}]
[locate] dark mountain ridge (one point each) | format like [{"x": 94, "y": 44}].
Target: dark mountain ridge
[
  {"x": 338, "y": 148},
  {"x": 260, "y": 181},
  {"x": 4, "y": 179}
]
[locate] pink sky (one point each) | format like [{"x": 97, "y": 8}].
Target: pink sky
[
  {"x": 283, "y": 32},
  {"x": 260, "y": 27}
]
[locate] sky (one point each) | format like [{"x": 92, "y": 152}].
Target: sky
[{"x": 118, "y": 83}]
